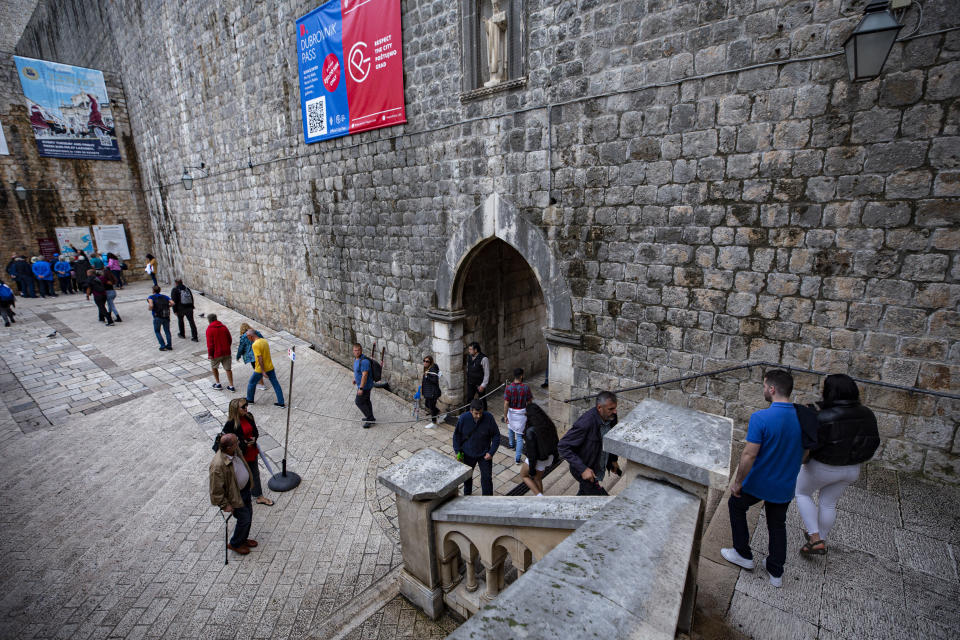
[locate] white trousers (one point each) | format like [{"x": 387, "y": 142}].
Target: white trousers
[{"x": 831, "y": 481}]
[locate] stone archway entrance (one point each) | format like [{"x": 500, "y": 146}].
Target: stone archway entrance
[
  {"x": 504, "y": 310},
  {"x": 495, "y": 233}
]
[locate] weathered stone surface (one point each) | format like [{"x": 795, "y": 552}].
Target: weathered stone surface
[
  {"x": 682, "y": 442},
  {"x": 628, "y": 585},
  {"x": 555, "y": 512},
  {"x": 426, "y": 475}
]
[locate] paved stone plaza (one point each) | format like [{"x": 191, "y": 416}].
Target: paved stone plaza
[{"x": 107, "y": 530}]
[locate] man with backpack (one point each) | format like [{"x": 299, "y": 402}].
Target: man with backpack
[
  {"x": 8, "y": 300},
  {"x": 159, "y": 305},
  {"x": 363, "y": 378},
  {"x": 183, "y": 306}
]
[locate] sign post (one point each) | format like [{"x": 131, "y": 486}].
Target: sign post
[{"x": 286, "y": 480}]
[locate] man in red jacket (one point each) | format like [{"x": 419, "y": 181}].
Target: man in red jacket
[{"x": 218, "y": 351}]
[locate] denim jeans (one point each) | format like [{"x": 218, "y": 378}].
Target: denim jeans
[
  {"x": 164, "y": 323},
  {"x": 244, "y": 516},
  {"x": 256, "y": 377},
  {"x": 256, "y": 489},
  {"x": 112, "y": 308},
  {"x": 776, "y": 527},
  {"x": 153, "y": 277},
  {"x": 29, "y": 287},
  {"x": 516, "y": 443}
]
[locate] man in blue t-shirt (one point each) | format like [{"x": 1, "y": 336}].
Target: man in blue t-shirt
[
  {"x": 768, "y": 471},
  {"x": 159, "y": 305},
  {"x": 363, "y": 380}
]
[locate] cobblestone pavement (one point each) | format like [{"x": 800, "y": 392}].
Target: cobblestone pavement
[
  {"x": 106, "y": 525},
  {"x": 891, "y": 571}
]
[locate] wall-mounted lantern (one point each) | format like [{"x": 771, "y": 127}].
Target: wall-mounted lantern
[
  {"x": 870, "y": 43},
  {"x": 187, "y": 177}
]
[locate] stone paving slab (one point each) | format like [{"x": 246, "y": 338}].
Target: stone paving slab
[{"x": 106, "y": 526}]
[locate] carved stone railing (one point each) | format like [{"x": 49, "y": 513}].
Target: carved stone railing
[
  {"x": 617, "y": 567},
  {"x": 475, "y": 529}
]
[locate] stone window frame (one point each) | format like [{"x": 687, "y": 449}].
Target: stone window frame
[{"x": 472, "y": 86}]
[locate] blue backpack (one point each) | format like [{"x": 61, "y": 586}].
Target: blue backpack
[{"x": 6, "y": 293}]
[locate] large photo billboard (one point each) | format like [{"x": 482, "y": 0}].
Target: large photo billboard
[
  {"x": 350, "y": 61},
  {"x": 69, "y": 110}
]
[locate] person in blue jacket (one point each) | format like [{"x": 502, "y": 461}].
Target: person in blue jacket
[
  {"x": 44, "y": 274},
  {"x": 63, "y": 268},
  {"x": 475, "y": 440}
]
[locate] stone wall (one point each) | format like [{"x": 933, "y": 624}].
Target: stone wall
[
  {"x": 66, "y": 192},
  {"x": 722, "y": 192}
]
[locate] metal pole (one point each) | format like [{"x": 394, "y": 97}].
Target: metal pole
[
  {"x": 286, "y": 480},
  {"x": 286, "y": 437}
]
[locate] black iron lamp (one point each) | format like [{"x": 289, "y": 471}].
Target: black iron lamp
[
  {"x": 870, "y": 43},
  {"x": 187, "y": 177}
]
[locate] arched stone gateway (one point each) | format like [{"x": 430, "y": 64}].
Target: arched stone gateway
[
  {"x": 489, "y": 228},
  {"x": 497, "y": 218}
]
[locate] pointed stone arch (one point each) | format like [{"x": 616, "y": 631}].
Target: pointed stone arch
[{"x": 498, "y": 218}]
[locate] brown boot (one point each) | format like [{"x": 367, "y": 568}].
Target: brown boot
[{"x": 241, "y": 549}]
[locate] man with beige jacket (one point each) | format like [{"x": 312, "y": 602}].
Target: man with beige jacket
[{"x": 230, "y": 490}]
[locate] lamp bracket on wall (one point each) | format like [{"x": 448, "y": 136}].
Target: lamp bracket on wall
[{"x": 187, "y": 177}]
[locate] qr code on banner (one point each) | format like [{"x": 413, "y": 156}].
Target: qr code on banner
[{"x": 316, "y": 117}]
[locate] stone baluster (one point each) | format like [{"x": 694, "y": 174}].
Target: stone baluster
[
  {"x": 421, "y": 484},
  {"x": 686, "y": 448}
]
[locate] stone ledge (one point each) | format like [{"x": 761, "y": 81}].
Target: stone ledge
[
  {"x": 620, "y": 575},
  {"x": 682, "y": 442},
  {"x": 563, "y": 338},
  {"x": 426, "y": 475},
  {"x": 446, "y": 316},
  {"x": 553, "y": 512},
  {"x": 483, "y": 92}
]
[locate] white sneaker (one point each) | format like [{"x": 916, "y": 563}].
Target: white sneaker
[
  {"x": 429, "y": 425},
  {"x": 731, "y": 555},
  {"x": 777, "y": 582}
]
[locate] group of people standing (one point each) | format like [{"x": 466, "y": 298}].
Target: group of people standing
[{"x": 38, "y": 276}]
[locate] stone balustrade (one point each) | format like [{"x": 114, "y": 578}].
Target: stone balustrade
[
  {"x": 476, "y": 528},
  {"x": 622, "y": 566}
]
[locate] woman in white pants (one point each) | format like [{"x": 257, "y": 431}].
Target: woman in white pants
[{"x": 847, "y": 436}]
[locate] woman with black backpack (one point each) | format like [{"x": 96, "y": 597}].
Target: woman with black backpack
[
  {"x": 540, "y": 442},
  {"x": 847, "y": 436}
]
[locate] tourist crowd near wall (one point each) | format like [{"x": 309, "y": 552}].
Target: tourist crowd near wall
[{"x": 699, "y": 179}]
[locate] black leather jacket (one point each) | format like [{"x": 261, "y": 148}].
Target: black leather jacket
[{"x": 847, "y": 434}]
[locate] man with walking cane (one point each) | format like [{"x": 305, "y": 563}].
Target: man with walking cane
[{"x": 230, "y": 490}]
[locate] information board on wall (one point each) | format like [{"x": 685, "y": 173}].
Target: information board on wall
[
  {"x": 79, "y": 237},
  {"x": 4, "y": 151},
  {"x": 112, "y": 238},
  {"x": 70, "y": 112},
  {"x": 350, "y": 62},
  {"x": 48, "y": 247}
]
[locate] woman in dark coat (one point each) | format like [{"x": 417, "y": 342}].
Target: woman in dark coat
[
  {"x": 240, "y": 422},
  {"x": 430, "y": 387},
  {"x": 540, "y": 441},
  {"x": 847, "y": 436}
]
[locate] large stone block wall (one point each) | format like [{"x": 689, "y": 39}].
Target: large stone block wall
[
  {"x": 67, "y": 192},
  {"x": 722, "y": 193}
]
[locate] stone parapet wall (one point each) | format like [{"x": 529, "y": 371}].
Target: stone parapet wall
[{"x": 776, "y": 213}]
